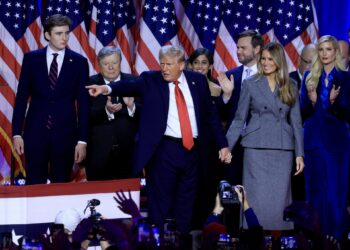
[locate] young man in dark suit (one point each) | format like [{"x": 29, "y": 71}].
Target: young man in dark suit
[
  {"x": 53, "y": 133},
  {"x": 177, "y": 118},
  {"x": 113, "y": 123}
]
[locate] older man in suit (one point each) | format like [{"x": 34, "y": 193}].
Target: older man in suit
[
  {"x": 177, "y": 117},
  {"x": 305, "y": 61},
  {"x": 56, "y": 124},
  {"x": 113, "y": 123}
]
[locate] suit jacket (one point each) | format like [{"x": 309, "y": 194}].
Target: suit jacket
[
  {"x": 272, "y": 125},
  {"x": 327, "y": 127},
  {"x": 104, "y": 132},
  {"x": 295, "y": 76},
  {"x": 61, "y": 104},
  {"x": 229, "y": 109},
  {"x": 153, "y": 121}
]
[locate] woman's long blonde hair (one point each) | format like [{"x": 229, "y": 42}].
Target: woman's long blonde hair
[
  {"x": 286, "y": 90},
  {"x": 317, "y": 66}
]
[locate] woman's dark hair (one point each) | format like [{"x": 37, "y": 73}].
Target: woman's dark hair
[{"x": 205, "y": 52}]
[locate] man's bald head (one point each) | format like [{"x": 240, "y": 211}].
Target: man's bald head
[{"x": 307, "y": 54}]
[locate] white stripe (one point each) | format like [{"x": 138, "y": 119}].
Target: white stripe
[
  {"x": 6, "y": 108},
  {"x": 298, "y": 44},
  {"x": 31, "y": 210},
  {"x": 311, "y": 30},
  {"x": 315, "y": 15},
  {"x": 11, "y": 44},
  {"x": 187, "y": 25},
  {"x": 8, "y": 75}
]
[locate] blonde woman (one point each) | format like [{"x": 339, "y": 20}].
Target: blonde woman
[
  {"x": 273, "y": 132},
  {"x": 325, "y": 107}
]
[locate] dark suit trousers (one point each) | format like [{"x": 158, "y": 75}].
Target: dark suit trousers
[
  {"x": 172, "y": 182},
  {"x": 48, "y": 156}
]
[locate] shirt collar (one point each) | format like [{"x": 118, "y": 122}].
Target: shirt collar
[
  {"x": 115, "y": 80},
  {"x": 254, "y": 69},
  {"x": 60, "y": 53}
]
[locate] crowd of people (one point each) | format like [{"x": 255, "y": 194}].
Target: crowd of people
[{"x": 256, "y": 125}]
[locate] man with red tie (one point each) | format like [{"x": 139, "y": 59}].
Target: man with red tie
[
  {"x": 53, "y": 132},
  {"x": 177, "y": 118}
]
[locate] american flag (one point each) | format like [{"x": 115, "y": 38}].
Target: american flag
[
  {"x": 157, "y": 28},
  {"x": 20, "y": 29},
  {"x": 139, "y": 29},
  {"x": 113, "y": 23}
]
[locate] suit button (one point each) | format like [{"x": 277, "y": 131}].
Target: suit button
[
  {"x": 52, "y": 102},
  {"x": 280, "y": 109},
  {"x": 265, "y": 107}
]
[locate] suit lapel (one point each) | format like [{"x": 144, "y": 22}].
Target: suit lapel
[
  {"x": 66, "y": 70},
  {"x": 269, "y": 96},
  {"x": 44, "y": 71},
  {"x": 164, "y": 91}
]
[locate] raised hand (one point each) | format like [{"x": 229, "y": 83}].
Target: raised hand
[
  {"x": 312, "y": 94},
  {"x": 227, "y": 85},
  {"x": 126, "y": 205}
]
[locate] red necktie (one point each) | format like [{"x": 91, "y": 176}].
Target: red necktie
[
  {"x": 185, "y": 125},
  {"x": 53, "y": 74}
]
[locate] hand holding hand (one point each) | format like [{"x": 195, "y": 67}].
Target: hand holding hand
[
  {"x": 299, "y": 165},
  {"x": 225, "y": 155},
  {"x": 227, "y": 85},
  {"x": 96, "y": 90},
  {"x": 18, "y": 145}
]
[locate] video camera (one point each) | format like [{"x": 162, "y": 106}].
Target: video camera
[
  {"x": 227, "y": 193},
  {"x": 97, "y": 230}
]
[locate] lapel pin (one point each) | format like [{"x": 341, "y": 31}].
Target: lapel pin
[
  {"x": 71, "y": 60},
  {"x": 193, "y": 83}
]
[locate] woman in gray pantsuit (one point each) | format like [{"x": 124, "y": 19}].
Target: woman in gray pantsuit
[{"x": 269, "y": 136}]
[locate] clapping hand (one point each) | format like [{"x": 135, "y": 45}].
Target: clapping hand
[
  {"x": 334, "y": 94},
  {"x": 227, "y": 85}
]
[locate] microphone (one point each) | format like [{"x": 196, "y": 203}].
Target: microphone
[{"x": 94, "y": 202}]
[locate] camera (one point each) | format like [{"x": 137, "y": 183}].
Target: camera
[
  {"x": 288, "y": 243},
  {"x": 228, "y": 195},
  {"x": 97, "y": 230}
]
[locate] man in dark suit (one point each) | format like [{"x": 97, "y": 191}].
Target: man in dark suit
[
  {"x": 113, "y": 123},
  {"x": 177, "y": 118},
  {"x": 56, "y": 124},
  {"x": 305, "y": 61},
  {"x": 249, "y": 45}
]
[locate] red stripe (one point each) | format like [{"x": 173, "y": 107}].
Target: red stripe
[
  {"x": 5, "y": 146},
  {"x": 10, "y": 60},
  {"x": 147, "y": 56},
  {"x": 124, "y": 46},
  {"x": 36, "y": 31},
  {"x": 7, "y": 92},
  {"x": 224, "y": 54},
  {"x": 292, "y": 53},
  {"x": 84, "y": 43},
  {"x": 184, "y": 40},
  {"x": 55, "y": 189},
  {"x": 22, "y": 42},
  {"x": 305, "y": 37}
]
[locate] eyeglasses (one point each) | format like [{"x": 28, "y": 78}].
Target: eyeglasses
[{"x": 305, "y": 61}]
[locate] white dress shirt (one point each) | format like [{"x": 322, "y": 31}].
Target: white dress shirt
[
  {"x": 59, "y": 59},
  {"x": 173, "y": 123}
]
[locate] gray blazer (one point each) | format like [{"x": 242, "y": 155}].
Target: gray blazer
[{"x": 272, "y": 124}]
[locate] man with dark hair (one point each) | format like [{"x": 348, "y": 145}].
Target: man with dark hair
[
  {"x": 113, "y": 123},
  {"x": 249, "y": 44},
  {"x": 345, "y": 53},
  {"x": 176, "y": 119},
  {"x": 53, "y": 133}
]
